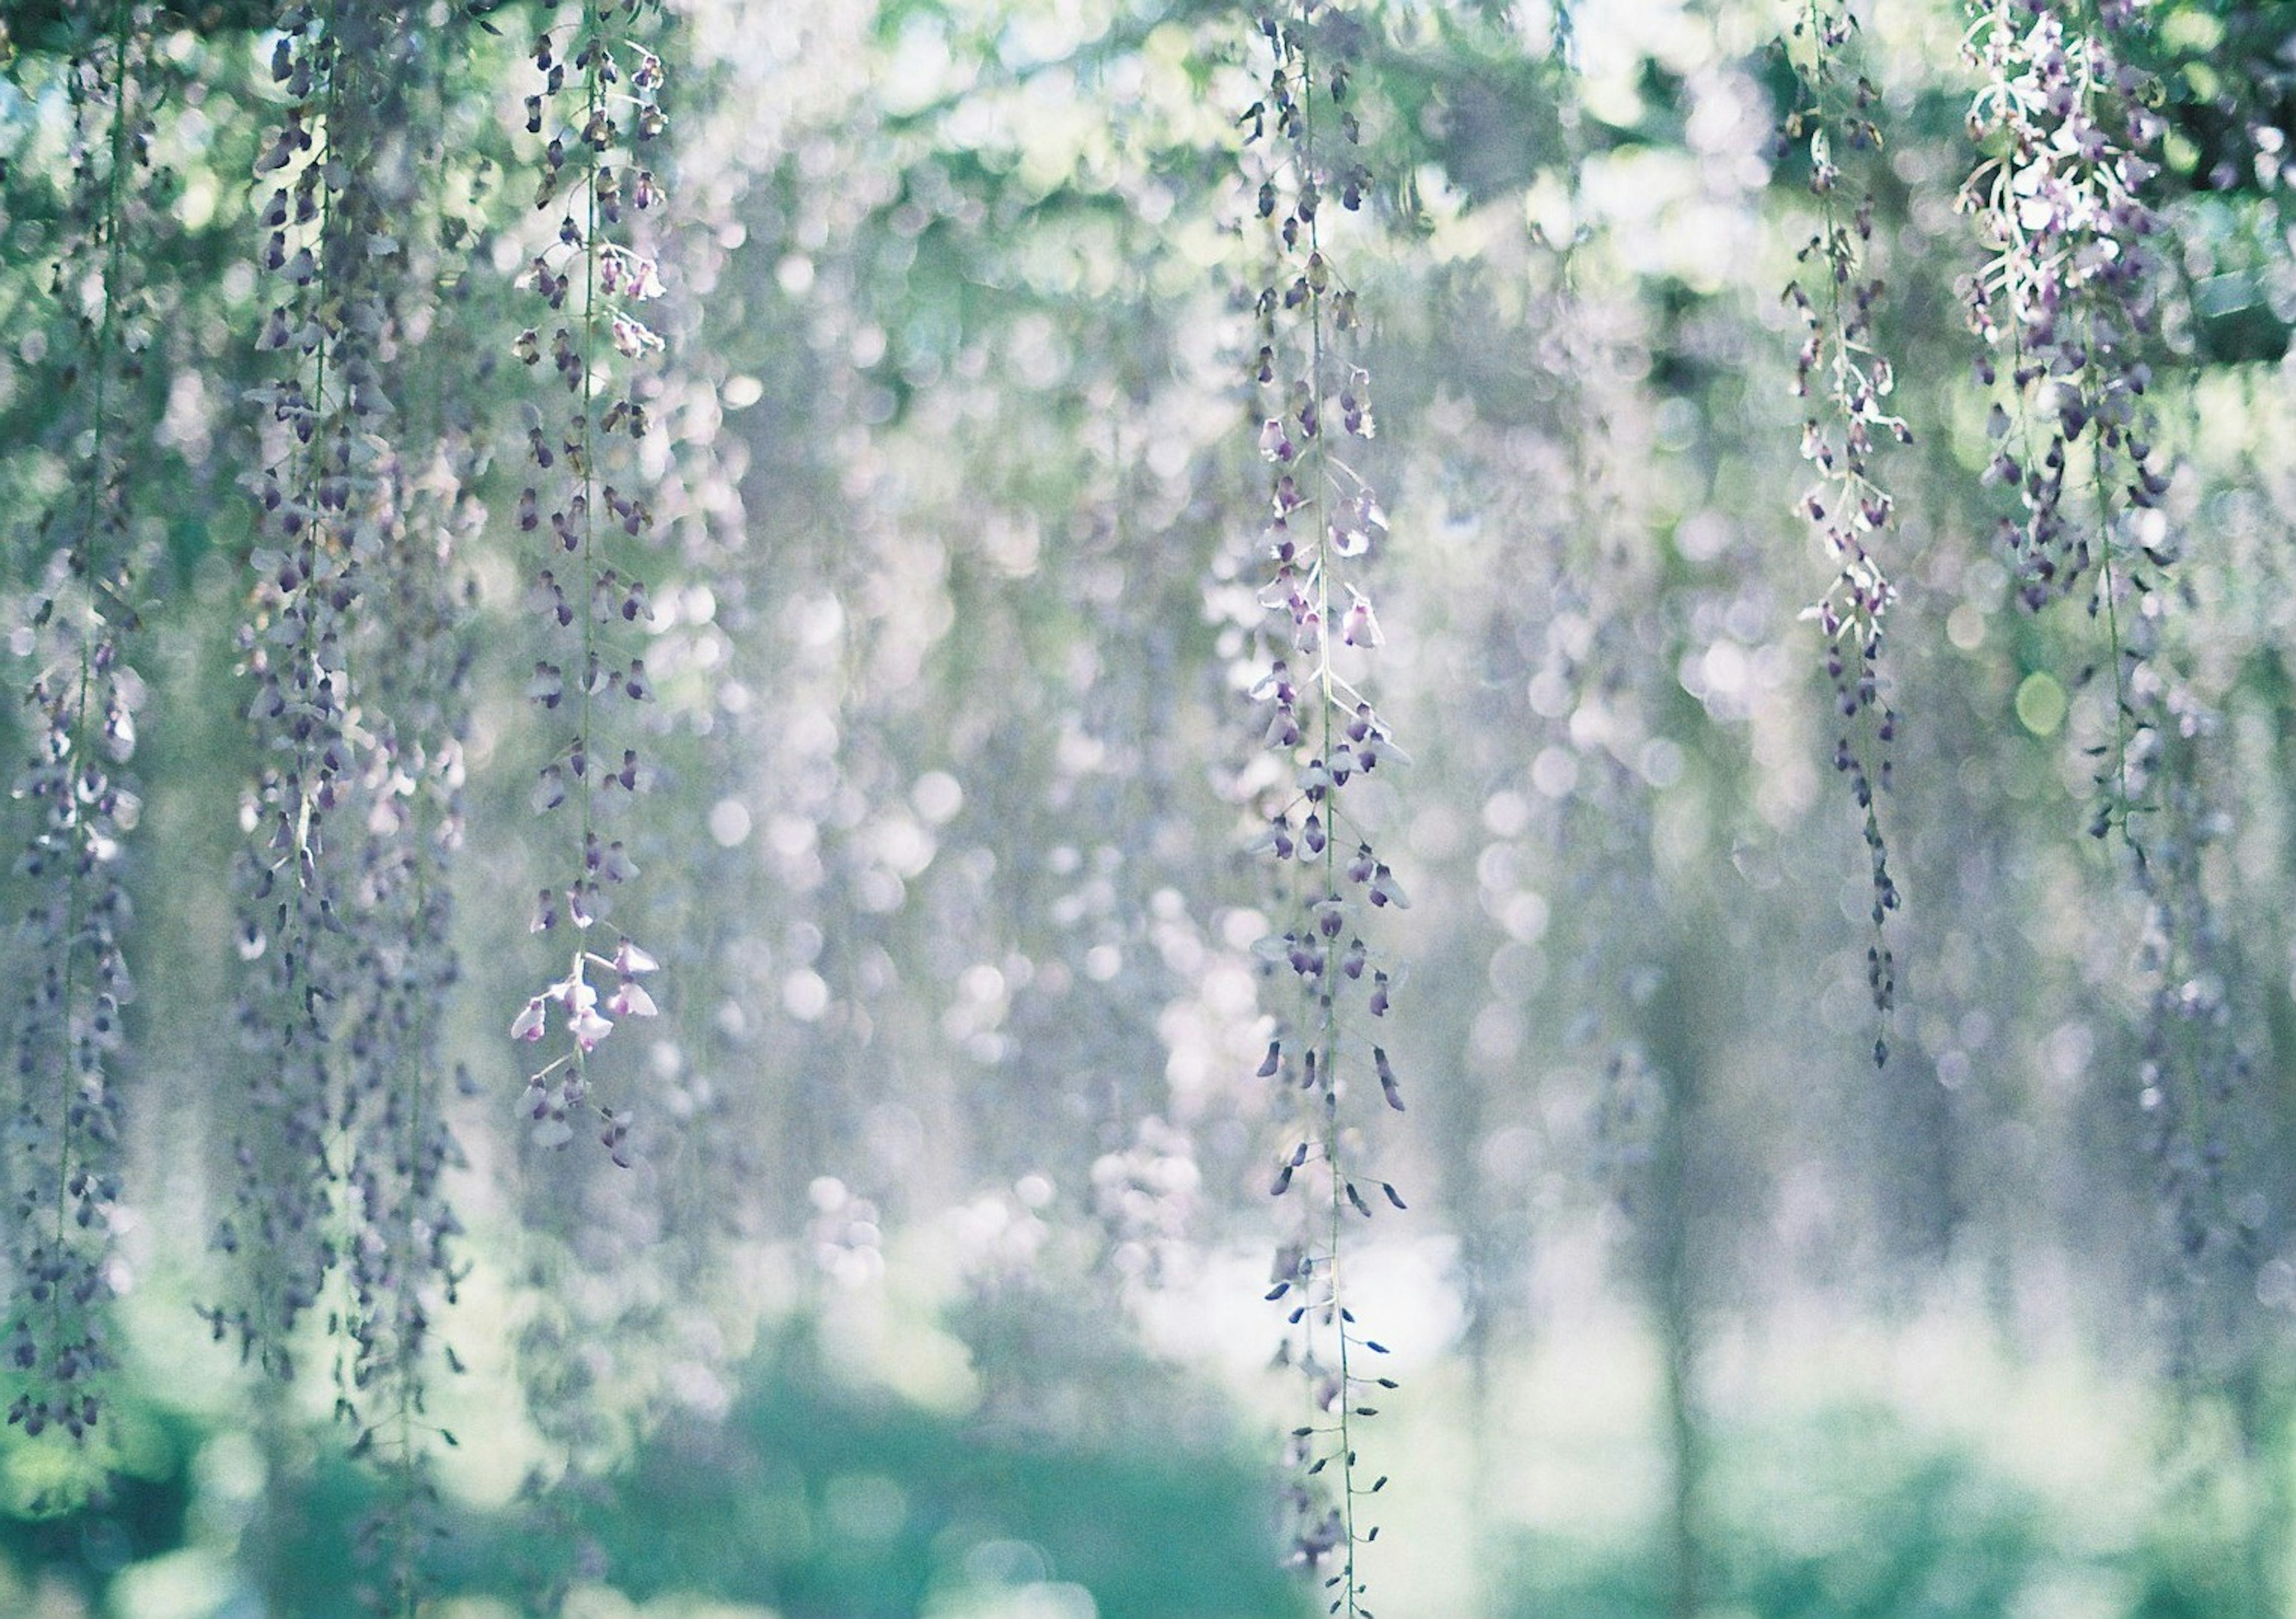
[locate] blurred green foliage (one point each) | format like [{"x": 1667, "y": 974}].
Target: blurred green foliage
[
  {"x": 813, "y": 1497},
  {"x": 1847, "y": 1513}
]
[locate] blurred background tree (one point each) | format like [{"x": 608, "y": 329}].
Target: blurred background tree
[{"x": 790, "y": 498}]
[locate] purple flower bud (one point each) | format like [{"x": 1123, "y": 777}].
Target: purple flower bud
[{"x": 1387, "y": 1084}]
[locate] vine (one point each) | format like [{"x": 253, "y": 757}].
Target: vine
[
  {"x": 2071, "y": 292},
  {"x": 314, "y": 494},
  {"x": 64, "y": 1174},
  {"x": 402, "y": 1262},
  {"x": 596, "y": 120},
  {"x": 1845, "y": 381},
  {"x": 356, "y": 645},
  {"x": 1323, "y": 734},
  {"x": 2066, "y": 299}
]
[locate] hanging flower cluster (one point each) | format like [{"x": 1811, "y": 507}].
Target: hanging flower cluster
[
  {"x": 598, "y": 108},
  {"x": 359, "y": 663},
  {"x": 1845, "y": 383},
  {"x": 1324, "y": 733},
  {"x": 2068, "y": 292},
  {"x": 394, "y": 118},
  {"x": 2071, "y": 294},
  {"x": 325, "y": 413},
  {"x": 2195, "y": 1056},
  {"x": 63, "y": 1167},
  {"x": 587, "y": 1020},
  {"x": 2064, "y": 303}
]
